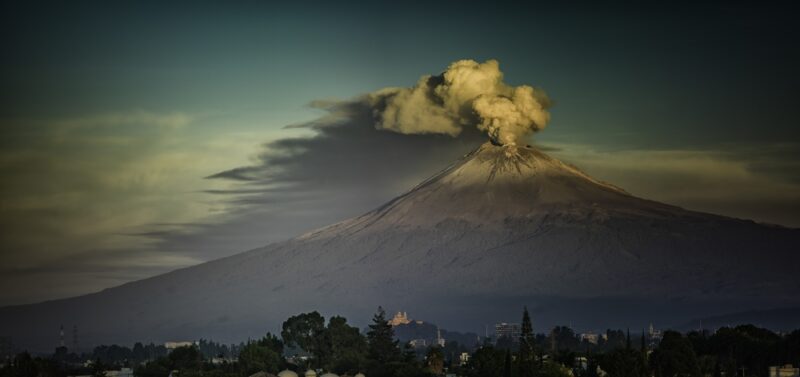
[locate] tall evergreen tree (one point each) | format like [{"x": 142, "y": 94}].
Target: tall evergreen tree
[
  {"x": 643, "y": 346},
  {"x": 628, "y": 340},
  {"x": 507, "y": 364},
  {"x": 526, "y": 344},
  {"x": 382, "y": 347},
  {"x": 434, "y": 361},
  {"x": 643, "y": 349}
]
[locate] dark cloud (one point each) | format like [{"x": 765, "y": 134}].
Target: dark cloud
[
  {"x": 348, "y": 151},
  {"x": 346, "y": 167}
]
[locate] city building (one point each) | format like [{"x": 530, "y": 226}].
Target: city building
[
  {"x": 221, "y": 360},
  {"x": 590, "y": 337},
  {"x": 173, "y": 345},
  {"x": 509, "y": 330},
  {"x": 654, "y": 333},
  {"x": 418, "y": 343},
  {"x": 439, "y": 339},
  {"x": 401, "y": 318},
  {"x": 784, "y": 371},
  {"x": 653, "y": 337}
]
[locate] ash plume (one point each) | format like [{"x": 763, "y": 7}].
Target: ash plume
[{"x": 467, "y": 94}]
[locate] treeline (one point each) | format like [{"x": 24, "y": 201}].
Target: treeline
[
  {"x": 124, "y": 356},
  {"x": 331, "y": 346},
  {"x": 563, "y": 337},
  {"x": 308, "y": 341},
  {"x": 738, "y": 351}
]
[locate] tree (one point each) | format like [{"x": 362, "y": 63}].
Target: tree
[
  {"x": 505, "y": 342},
  {"x": 306, "y": 331},
  {"x": 643, "y": 344},
  {"x": 791, "y": 347},
  {"x": 526, "y": 344},
  {"x": 382, "y": 347},
  {"x": 745, "y": 347},
  {"x": 99, "y": 368},
  {"x": 25, "y": 365},
  {"x": 623, "y": 362},
  {"x": 155, "y": 368},
  {"x": 488, "y": 361},
  {"x": 591, "y": 366},
  {"x": 613, "y": 339},
  {"x": 384, "y": 357},
  {"x": 674, "y": 357},
  {"x": 434, "y": 361},
  {"x": 185, "y": 358},
  {"x": 265, "y": 355},
  {"x": 563, "y": 338},
  {"x": 138, "y": 353},
  {"x": 507, "y": 364},
  {"x": 643, "y": 355},
  {"x": 553, "y": 370},
  {"x": 628, "y": 339},
  {"x": 347, "y": 346},
  {"x": 272, "y": 342}
]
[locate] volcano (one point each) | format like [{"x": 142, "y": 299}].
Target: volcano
[{"x": 503, "y": 227}]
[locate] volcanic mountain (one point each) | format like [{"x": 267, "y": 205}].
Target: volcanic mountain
[{"x": 505, "y": 226}]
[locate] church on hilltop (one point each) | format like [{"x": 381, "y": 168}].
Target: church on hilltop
[{"x": 401, "y": 318}]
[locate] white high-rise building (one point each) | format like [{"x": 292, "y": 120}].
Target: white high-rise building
[
  {"x": 508, "y": 330},
  {"x": 439, "y": 339}
]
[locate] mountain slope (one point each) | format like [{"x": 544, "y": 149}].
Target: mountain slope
[
  {"x": 503, "y": 227},
  {"x": 783, "y": 319}
]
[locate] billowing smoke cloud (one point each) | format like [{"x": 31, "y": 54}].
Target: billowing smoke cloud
[{"x": 467, "y": 94}]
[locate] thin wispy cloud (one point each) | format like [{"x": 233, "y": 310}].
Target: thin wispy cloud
[{"x": 77, "y": 184}]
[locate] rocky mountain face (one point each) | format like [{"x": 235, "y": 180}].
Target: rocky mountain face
[{"x": 505, "y": 226}]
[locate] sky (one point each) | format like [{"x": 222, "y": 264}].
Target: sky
[{"x": 142, "y": 137}]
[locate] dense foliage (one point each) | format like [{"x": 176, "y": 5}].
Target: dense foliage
[{"x": 308, "y": 341}]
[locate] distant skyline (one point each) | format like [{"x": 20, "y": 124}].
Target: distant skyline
[{"x": 114, "y": 115}]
